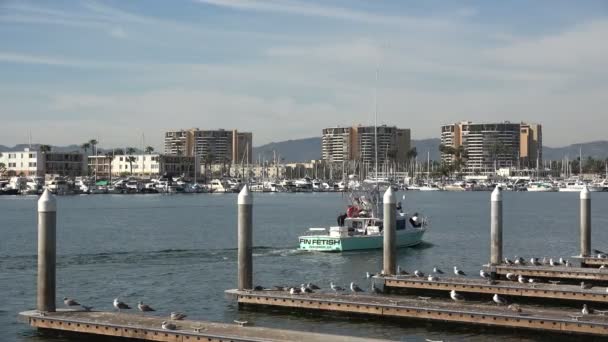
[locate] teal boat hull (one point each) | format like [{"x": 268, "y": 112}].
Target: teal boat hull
[{"x": 325, "y": 243}]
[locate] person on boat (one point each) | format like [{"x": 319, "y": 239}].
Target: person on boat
[
  {"x": 415, "y": 221},
  {"x": 352, "y": 211},
  {"x": 341, "y": 219}
]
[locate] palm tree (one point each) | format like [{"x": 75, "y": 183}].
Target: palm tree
[
  {"x": 92, "y": 144},
  {"x": 149, "y": 149},
  {"x": 130, "y": 151},
  {"x": 2, "y": 167},
  {"x": 110, "y": 157},
  {"x": 86, "y": 146},
  {"x": 45, "y": 148},
  {"x": 207, "y": 160}
]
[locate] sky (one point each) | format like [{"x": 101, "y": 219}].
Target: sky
[{"x": 124, "y": 72}]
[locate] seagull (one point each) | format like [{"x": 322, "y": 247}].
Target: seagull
[
  {"x": 312, "y": 286},
  {"x": 294, "y": 291},
  {"x": 585, "y": 310},
  {"x": 120, "y": 305},
  {"x": 456, "y": 296},
  {"x": 178, "y": 316},
  {"x": 519, "y": 260},
  {"x": 401, "y": 271},
  {"x": 585, "y": 286},
  {"x": 144, "y": 307},
  {"x": 70, "y": 302},
  {"x": 432, "y": 278},
  {"x": 598, "y": 251},
  {"x": 335, "y": 287},
  {"x": 532, "y": 280},
  {"x": 561, "y": 261},
  {"x": 508, "y": 262},
  {"x": 168, "y": 326},
  {"x": 375, "y": 289},
  {"x": 511, "y": 276},
  {"x": 484, "y": 274},
  {"x": 418, "y": 274},
  {"x": 499, "y": 300},
  {"x": 602, "y": 267},
  {"x": 458, "y": 272},
  {"x": 521, "y": 279},
  {"x": 553, "y": 263},
  {"x": 355, "y": 288},
  {"x": 568, "y": 263},
  {"x": 305, "y": 289},
  {"x": 369, "y": 275},
  {"x": 534, "y": 261},
  {"x": 602, "y": 256},
  {"x": 514, "y": 307},
  {"x": 544, "y": 262},
  {"x": 436, "y": 270}
]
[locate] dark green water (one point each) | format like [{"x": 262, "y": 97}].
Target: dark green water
[{"x": 178, "y": 253}]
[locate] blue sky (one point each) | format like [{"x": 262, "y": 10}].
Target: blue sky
[{"x": 284, "y": 69}]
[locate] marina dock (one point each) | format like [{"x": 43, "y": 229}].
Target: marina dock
[
  {"x": 148, "y": 328},
  {"x": 501, "y": 287},
  {"x": 553, "y": 272},
  {"x": 427, "y": 308}
]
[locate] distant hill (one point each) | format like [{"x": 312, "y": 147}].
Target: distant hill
[
  {"x": 292, "y": 150},
  {"x": 595, "y": 149},
  {"x": 68, "y": 148}
]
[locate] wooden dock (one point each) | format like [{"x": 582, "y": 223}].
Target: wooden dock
[
  {"x": 427, "y": 308},
  {"x": 148, "y": 328},
  {"x": 591, "y": 261},
  {"x": 505, "y": 288},
  {"x": 553, "y": 272}
]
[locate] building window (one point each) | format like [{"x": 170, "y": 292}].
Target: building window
[
  {"x": 12, "y": 155},
  {"x": 32, "y": 155},
  {"x": 32, "y": 164}
]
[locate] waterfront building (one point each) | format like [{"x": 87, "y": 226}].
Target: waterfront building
[
  {"x": 359, "y": 143},
  {"x": 30, "y": 162},
  {"x": 486, "y": 147},
  {"x": 142, "y": 165},
  {"x": 215, "y": 146}
]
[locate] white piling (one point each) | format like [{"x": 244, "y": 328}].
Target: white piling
[
  {"x": 496, "y": 227},
  {"x": 245, "y": 240},
  {"x": 390, "y": 232},
  {"x": 47, "y": 252},
  {"x": 585, "y": 222}
]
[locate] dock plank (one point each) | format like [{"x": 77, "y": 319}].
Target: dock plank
[
  {"x": 148, "y": 328},
  {"x": 556, "y": 272},
  {"x": 433, "y": 309},
  {"x": 596, "y": 294}
]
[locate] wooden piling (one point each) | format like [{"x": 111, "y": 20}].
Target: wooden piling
[
  {"x": 585, "y": 222},
  {"x": 47, "y": 252},
  {"x": 390, "y": 232},
  {"x": 245, "y": 239},
  {"x": 496, "y": 227}
]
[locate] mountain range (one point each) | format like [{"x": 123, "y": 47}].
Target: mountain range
[{"x": 306, "y": 149}]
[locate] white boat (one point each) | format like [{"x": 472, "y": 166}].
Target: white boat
[
  {"x": 578, "y": 186},
  {"x": 541, "y": 187},
  {"x": 303, "y": 185}
]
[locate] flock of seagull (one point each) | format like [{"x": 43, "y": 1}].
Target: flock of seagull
[{"x": 120, "y": 305}]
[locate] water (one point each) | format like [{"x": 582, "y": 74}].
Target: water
[{"x": 178, "y": 252}]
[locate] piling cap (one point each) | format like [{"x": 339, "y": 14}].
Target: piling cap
[
  {"x": 497, "y": 194},
  {"x": 585, "y": 193},
  {"x": 47, "y": 202},
  {"x": 389, "y": 196},
  {"x": 245, "y": 197}
]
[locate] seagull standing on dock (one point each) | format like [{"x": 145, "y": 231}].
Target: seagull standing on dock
[
  {"x": 437, "y": 270},
  {"x": 508, "y": 262},
  {"x": 144, "y": 307},
  {"x": 534, "y": 262},
  {"x": 168, "y": 326},
  {"x": 369, "y": 275},
  {"x": 401, "y": 271},
  {"x": 432, "y": 278},
  {"x": 335, "y": 287},
  {"x": 305, "y": 289},
  {"x": 553, "y": 262},
  {"x": 521, "y": 279},
  {"x": 70, "y": 302},
  {"x": 418, "y": 274},
  {"x": 484, "y": 274},
  {"x": 457, "y": 297},
  {"x": 519, "y": 260},
  {"x": 294, "y": 291},
  {"x": 499, "y": 300},
  {"x": 355, "y": 288},
  {"x": 120, "y": 305},
  {"x": 511, "y": 276},
  {"x": 178, "y": 316},
  {"x": 312, "y": 286},
  {"x": 585, "y": 310},
  {"x": 458, "y": 272}
]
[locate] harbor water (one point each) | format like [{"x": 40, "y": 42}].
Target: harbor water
[{"x": 178, "y": 253}]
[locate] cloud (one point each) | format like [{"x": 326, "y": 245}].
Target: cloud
[
  {"x": 579, "y": 48},
  {"x": 118, "y": 32}
]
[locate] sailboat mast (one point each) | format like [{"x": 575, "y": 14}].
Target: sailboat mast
[{"x": 376, "y": 143}]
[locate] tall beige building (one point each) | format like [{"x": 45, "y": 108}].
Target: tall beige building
[
  {"x": 359, "y": 143},
  {"x": 488, "y": 146},
  {"x": 219, "y": 146}
]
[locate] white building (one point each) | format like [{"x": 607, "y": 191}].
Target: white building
[
  {"x": 145, "y": 165},
  {"x": 35, "y": 163}
]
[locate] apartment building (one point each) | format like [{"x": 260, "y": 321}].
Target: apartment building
[
  {"x": 487, "y": 147},
  {"x": 218, "y": 146},
  {"x": 144, "y": 165},
  {"x": 30, "y": 162},
  {"x": 359, "y": 143}
]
